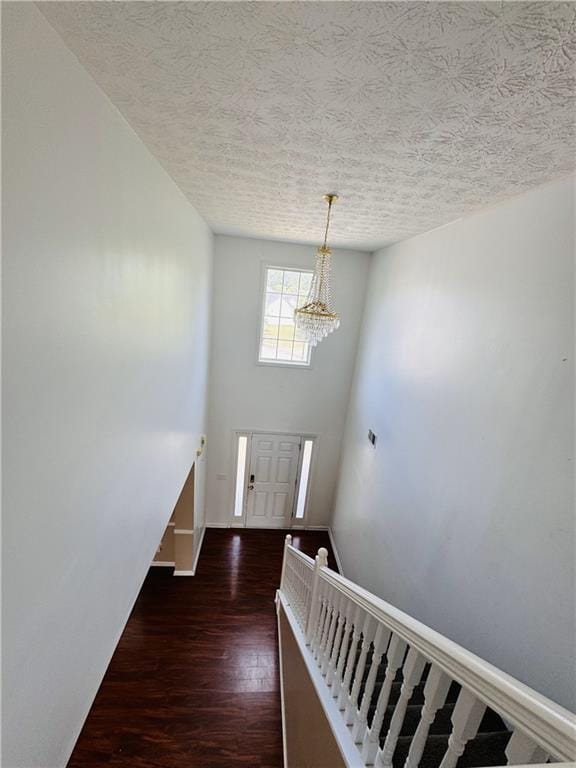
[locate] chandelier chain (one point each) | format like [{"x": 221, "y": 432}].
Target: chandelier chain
[
  {"x": 330, "y": 201},
  {"x": 316, "y": 318}
]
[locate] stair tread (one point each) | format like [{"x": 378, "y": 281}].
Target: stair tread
[
  {"x": 442, "y": 724},
  {"x": 485, "y": 750}
]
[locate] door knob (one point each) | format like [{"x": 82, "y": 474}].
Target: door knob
[{"x": 250, "y": 487}]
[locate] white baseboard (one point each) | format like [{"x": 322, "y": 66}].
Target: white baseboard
[
  {"x": 197, "y": 555},
  {"x": 162, "y": 564},
  {"x": 336, "y": 553},
  {"x": 269, "y": 528},
  {"x": 183, "y": 573}
]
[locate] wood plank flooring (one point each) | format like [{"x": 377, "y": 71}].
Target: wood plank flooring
[{"x": 194, "y": 679}]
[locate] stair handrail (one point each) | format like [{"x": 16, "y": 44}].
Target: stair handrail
[
  {"x": 299, "y": 555},
  {"x": 549, "y": 724}
]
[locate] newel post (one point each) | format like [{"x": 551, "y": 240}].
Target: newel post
[
  {"x": 287, "y": 542},
  {"x": 321, "y": 561}
]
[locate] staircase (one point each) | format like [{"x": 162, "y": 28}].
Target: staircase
[
  {"x": 398, "y": 694},
  {"x": 485, "y": 749}
]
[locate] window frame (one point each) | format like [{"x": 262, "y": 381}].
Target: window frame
[{"x": 262, "y": 314}]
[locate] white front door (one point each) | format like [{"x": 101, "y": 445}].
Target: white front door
[{"x": 272, "y": 479}]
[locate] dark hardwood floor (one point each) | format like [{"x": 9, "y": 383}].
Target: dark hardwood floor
[{"x": 194, "y": 679}]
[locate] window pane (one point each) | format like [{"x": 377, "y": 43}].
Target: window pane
[
  {"x": 304, "y": 478},
  {"x": 286, "y": 332},
  {"x": 305, "y": 281},
  {"x": 302, "y": 300},
  {"x": 299, "y": 335},
  {"x": 284, "y": 350},
  {"x": 273, "y": 303},
  {"x": 274, "y": 280},
  {"x": 291, "y": 280},
  {"x": 300, "y": 352},
  {"x": 270, "y": 328},
  {"x": 268, "y": 349},
  {"x": 289, "y": 304},
  {"x": 240, "y": 474}
]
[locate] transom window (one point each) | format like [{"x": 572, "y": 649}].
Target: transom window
[{"x": 280, "y": 341}]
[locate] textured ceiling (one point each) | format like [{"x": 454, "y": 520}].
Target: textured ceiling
[{"x": 415, "y": 112}]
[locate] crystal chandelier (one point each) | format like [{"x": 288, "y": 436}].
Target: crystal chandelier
[{"x": 316, "y": 319}]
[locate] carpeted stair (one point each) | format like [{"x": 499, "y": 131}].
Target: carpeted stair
[{"x": 486, "y": 749}]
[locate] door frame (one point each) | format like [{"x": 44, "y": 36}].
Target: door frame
[{"x": 240, "y": 521}]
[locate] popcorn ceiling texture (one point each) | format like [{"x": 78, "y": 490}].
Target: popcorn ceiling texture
[{"x": 416, "y": 113}]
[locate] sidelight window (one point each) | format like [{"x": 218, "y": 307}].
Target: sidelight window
[{"x": 304, "y": 479}]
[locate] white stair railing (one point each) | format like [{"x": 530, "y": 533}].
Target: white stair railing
[
  {"x": 297, "y": 577},
  {"x": 352, "y": 636}
]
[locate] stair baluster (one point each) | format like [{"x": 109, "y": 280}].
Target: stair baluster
[
  {"x": 305, "y": 594},
  {"x": 330, "y": 597},
  {"x": 325, "y": 622},
  {"x": 345, "y": 686},
  {"x": 301, "y": 593},
  {"x": 435, "y": 693},
  {"x": 338, "y": 598},
  {"x": 297, "y": 581},
  {"x": 290, "y": 582},
  {"x": 521, "y": 750},
  {"x": 320, "y": 561},
  {"x": 412, "y": 672},
  {"x": 368, "y": 631},
  {"x": 319, "y": 623},
  {"x": 336, "y": 649},
  {"x": 466, "y": 719},
  {"x": 394, "y": 659},
  {"x": 283, "y": 580},
  {"x": 380, "y": 643},
  {"x": 336, "y": 680}
]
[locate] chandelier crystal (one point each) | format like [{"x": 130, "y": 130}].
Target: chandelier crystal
[{"x": 316, "y": 319}]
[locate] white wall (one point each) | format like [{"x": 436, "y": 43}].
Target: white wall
[
  {"x": 463, "y": 514},
  {"x": 247, "y": 396},
  {"x": 106, "y": 289}
]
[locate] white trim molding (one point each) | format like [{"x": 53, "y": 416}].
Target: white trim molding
[
  {"x": 162, "y": 563},
  {"x": 198, "y": 548}
]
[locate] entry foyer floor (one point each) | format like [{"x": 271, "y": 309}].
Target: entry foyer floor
[{"x": 194, "y": 679}]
